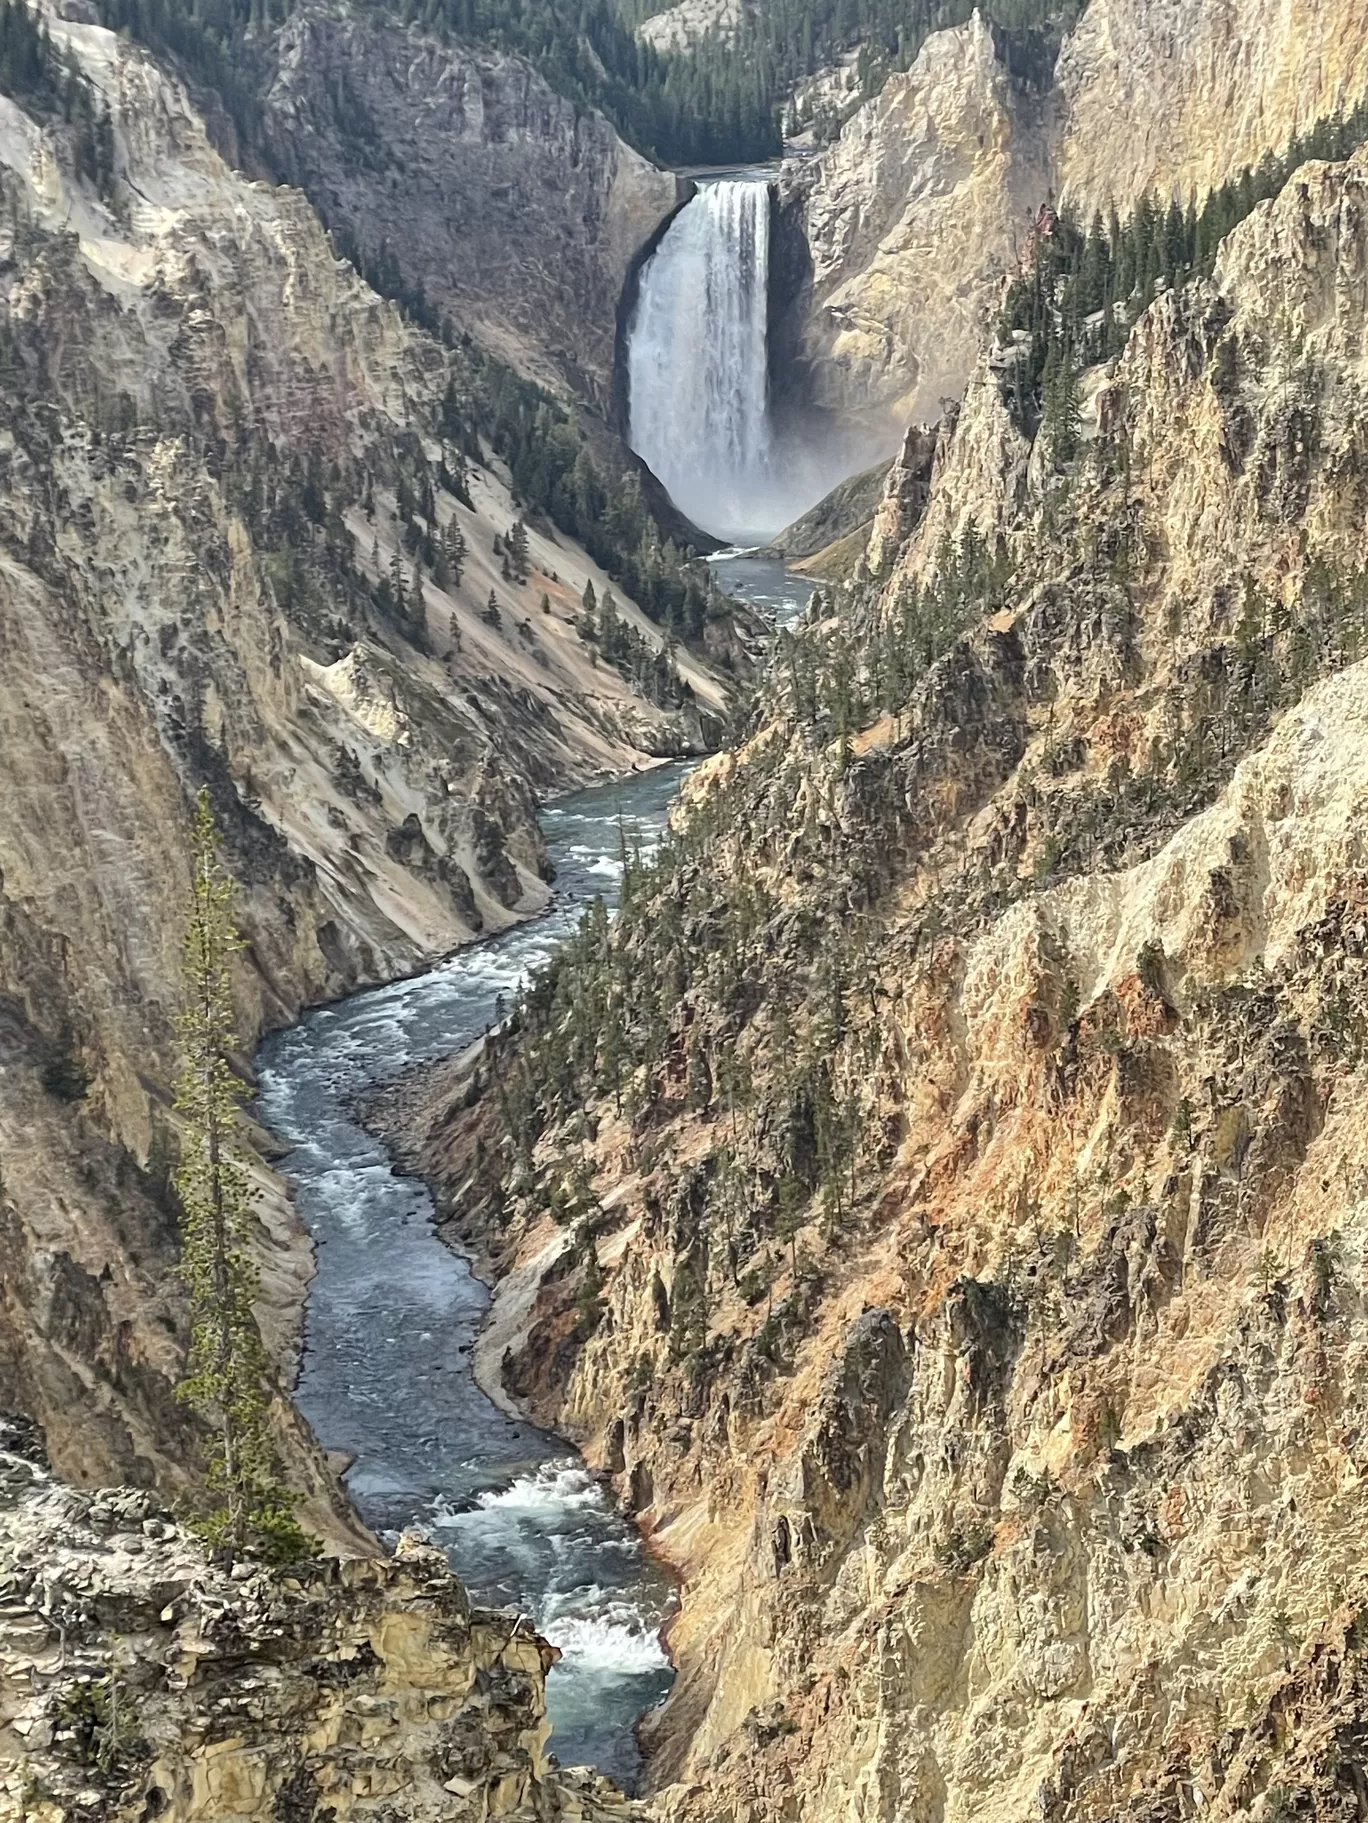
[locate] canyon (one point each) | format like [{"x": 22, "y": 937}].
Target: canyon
[
  {"x": 934, "y": 1206},
  {"x": 210, "y": 422},
  {"x": 971, "y": 1222}
]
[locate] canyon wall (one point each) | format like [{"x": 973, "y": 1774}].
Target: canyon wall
[
  {"x": 910, "y": 218},
  {"x": 939, "y": 1204},
  {"x": 1179, "y": 97},
  {"x": 221, "y": 452},
  {"x": 519, "y": 214},
  {"x": 931, "y": 190}
]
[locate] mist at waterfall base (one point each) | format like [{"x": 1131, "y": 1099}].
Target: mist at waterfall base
[
  {"x": 392, "y": 1315},
  {"x": 698, "y": 373}
]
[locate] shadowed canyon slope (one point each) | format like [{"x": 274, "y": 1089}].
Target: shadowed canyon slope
[
  {"x": 946, "y": 1183},
  {"x": 519, "y": 214}
]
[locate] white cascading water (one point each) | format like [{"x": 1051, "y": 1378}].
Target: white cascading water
[{"x": 698, "y": 363}]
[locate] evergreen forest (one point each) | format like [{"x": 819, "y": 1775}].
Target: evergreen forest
[{"x": 718, "y": 104}]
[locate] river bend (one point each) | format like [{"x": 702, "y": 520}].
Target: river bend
[{"x": 393, "y": 1313}]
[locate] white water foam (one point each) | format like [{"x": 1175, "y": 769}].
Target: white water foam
[
  {"x": 698, "y": 362},
  {"x": 614, "y": 1644},
  {"x": 551, "y": 1485}
]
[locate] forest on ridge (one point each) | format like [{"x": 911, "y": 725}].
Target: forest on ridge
[{"x": 719, "y": 103}]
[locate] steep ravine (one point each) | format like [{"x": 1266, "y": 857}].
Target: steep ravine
[
  {"x": 959, "y": 1145},
  {"x": 393, "y": 1320},
  {"x": 224, "y": 457},
  {"x": 937, "y": 1207}
]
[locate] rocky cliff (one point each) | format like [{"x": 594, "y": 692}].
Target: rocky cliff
[
  {"x": 684, "y": 26},
  {"x": 1179, "y": 97},
  {"x": 931, "y": 189},
  {"x": 910, "y": 217},
  {"x": 520, "y": 215},
  {"x": 244, "y": 543},
  {"x": 938, "y": 1204},
  {"x": 139, "y": 1680}
]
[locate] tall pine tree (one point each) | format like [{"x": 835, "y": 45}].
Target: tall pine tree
[{"x": 228, "y": 1375}]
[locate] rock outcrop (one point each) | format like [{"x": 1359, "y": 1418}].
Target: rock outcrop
[
  {"x": 519, "y": 214},
  {"x": 950, "y": 1224},
  {"x": 911, "y": 217},
  {"x": 138, "y": 1679},
  {"x": 847, "y": 509},
  {"x": 930, "y": 192},
  {"x": 683, "y": 26}
]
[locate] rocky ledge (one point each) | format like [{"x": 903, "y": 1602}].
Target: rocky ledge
[{"x": 140, "y": 1678}]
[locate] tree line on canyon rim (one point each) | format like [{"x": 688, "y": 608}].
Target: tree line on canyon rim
[
  {"x": 719, "y": 102},
  {"x": 1084, "y": 289}
]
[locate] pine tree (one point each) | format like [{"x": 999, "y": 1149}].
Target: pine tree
[
  {"x": 589, "y": 1305},
  {"x": 228, "y": 1375},
  {"x": 454, "y": 550}
]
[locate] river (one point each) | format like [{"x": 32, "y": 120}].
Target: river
[{"x": 393, "y": 1313}]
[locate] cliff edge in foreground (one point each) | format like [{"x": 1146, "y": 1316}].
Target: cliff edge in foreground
[{"x": 140, "y": 1680}]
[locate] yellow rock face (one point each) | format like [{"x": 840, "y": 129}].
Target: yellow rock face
[
  {"x": 912, "y": 216},
  {"x": 930, "y": 192},
  {"x": 1033, "y": 1486},
  {"x": 1178, "y": 97}
]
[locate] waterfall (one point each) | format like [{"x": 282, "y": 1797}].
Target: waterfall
[{"x": 697, "y": 362}]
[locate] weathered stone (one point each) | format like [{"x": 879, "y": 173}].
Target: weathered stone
[
  {"x": 519, "y": 214},
  {"x": 324, "y": 1690},
  {"x": 1033, "y": 1484}
]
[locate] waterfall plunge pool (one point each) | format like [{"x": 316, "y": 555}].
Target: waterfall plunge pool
[{"x": 392, "y": 1315}]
